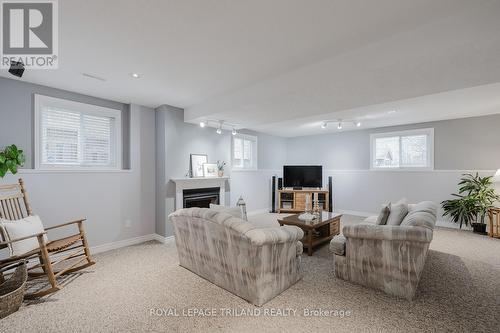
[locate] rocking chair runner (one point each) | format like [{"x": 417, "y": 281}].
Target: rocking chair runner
[{"x": 48, "y": 253}]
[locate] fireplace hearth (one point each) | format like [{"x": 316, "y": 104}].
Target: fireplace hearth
[{"x": 200, "y": 197}]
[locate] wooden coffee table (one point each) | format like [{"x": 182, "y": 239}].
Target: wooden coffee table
[{"x": 317, "y": 231}]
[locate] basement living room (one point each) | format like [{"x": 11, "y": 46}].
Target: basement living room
[{"x": 250, "y": 166}]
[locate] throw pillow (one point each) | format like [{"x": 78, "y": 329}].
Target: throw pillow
[
  {"x": 398, "y": 212},
  {"x": 28, "y": 226},
  {"x": 234, "y": 211},
  {"x": 383, "y": 215}
]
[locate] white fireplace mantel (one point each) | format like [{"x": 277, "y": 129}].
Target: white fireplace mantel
[{"x": 201, "y": 182}]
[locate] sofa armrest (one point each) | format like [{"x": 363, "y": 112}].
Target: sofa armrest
[
  {"x": 274, "y": 235},
  {"x": 388, "y": 232}
]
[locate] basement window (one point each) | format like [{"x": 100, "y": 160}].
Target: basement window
[
  {"x": 405, "y": 150},
  {"x": 73, "y": 135},
  {"x": 244, "y": 152}
]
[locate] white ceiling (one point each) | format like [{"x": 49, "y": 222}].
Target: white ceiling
[
  {"x": 282, "y": 66},
  {"x": 462, "y": 103}
]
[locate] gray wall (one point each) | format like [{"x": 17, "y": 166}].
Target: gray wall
[
  {"x": 119, "y": 205},
  {"x": 16, "y": 110},
  {"x": 459, "y": 144},
  {"x": 176, "y": 140}
]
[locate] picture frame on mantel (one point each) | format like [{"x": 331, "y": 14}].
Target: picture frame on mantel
[
  {"x": 210, "y": 170},
  {"x": 196, "y": 162}
]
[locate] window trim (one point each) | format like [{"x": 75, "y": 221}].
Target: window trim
[
  {"x": 254, "y": 154},
  {"x": 430, "y": 153},
  {"x": 89, "y": 109}
]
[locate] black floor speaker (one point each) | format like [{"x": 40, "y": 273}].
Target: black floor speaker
[
  {"x": 273, "y": 195},
  {"x": 280, "y": 183},
  {"x": 330, "y": 191}
]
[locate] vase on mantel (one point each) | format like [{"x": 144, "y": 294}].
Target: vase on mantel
[{"x": 220, "y": 168}]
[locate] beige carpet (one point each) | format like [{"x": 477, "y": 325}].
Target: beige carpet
[{"x": 459, "y": 292}]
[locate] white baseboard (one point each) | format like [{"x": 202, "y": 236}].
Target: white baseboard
[
  {"x": 451, "y": 225},
  {"x": 121, "y": 243},
  {"x": 162, "y": 239},
  {"x": 128, "y": 242}
]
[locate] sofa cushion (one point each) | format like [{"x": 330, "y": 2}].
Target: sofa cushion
[
  {"x": 28, "y": 226},
  {"x": 398, "y": 212},
  {"x": 383, "y": 215},
  {"x": 423, "y": 215},
  {"x": 234, "y": 211},
  {"x": 337, "y": 245}
]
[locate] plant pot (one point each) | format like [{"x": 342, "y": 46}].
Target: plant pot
[
  {"x": 221, "y": 173},
  {"x": 479, "y": 228}
]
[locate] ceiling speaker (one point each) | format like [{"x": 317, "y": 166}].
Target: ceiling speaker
[{"x": 16, "y": 68}]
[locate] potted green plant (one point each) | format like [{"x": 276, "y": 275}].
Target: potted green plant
[
  {"x": 461, "y": 210},
  {"x": 10, "y": 159},
  {"x": 476, "y": 196}
]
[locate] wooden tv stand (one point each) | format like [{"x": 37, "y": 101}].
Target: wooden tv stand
[{"x": 294, "y": 201}]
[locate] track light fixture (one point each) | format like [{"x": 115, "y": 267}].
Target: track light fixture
[
  {"x": 219, "y": 129},
  {"x": 220, "y": 125},
  {"x": 340, "y": 123}
]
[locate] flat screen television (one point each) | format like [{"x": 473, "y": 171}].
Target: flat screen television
[{"x": 302, "y": 176}]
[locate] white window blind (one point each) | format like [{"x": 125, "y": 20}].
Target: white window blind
[
  {"x": 244, "y": 153},
  {"x": 72, "y": 134},
  {"x": 403, "y": 150}
]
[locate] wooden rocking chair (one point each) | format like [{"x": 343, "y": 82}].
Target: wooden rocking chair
[{"x": 14, "y": 206}]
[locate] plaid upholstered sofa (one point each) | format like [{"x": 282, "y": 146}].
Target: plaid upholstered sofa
[
  {"x": 386, "y": 257},
  {"x": 253, "y": 263}
]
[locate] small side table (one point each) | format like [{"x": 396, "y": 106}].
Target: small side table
[{"x": 494, "y": 214}]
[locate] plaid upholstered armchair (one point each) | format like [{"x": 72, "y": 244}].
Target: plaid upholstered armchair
[{"x": 386, "y": 257}]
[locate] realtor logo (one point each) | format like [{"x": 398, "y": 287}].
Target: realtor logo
[{"x": 29, "y": 33}]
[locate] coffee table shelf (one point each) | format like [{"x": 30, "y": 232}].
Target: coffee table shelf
[{"x": 317, "y": 231}]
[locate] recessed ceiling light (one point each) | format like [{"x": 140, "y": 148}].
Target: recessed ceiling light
[
  {"x": 135, "y": 75},
  {"x": 391, "y": 112},
  {"x": 219, "y": 131},
  {"x": 324, "y": 125},
  {"x": 202, "y": 124},
  {"x": 358, "y": 124}
]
